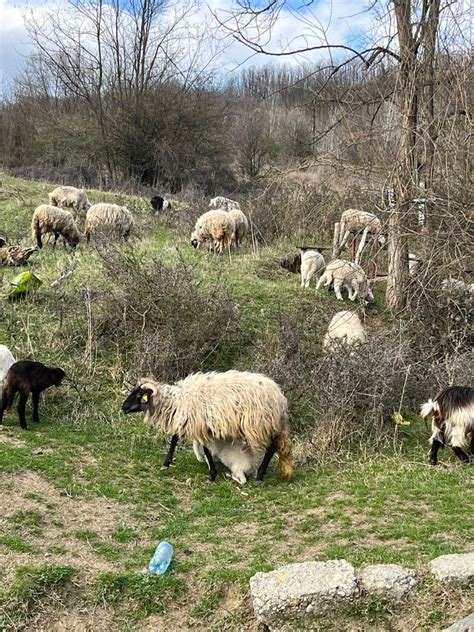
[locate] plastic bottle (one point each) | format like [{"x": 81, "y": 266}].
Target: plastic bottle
[{"x": 161, "y": 559}]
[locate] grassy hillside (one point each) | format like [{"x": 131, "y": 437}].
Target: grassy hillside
[{"x": 84, "y": 502}]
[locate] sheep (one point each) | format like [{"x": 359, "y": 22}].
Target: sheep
[
  {"x": 292, "y": 264},
  {"x": 69, "y": 197},
  {"x": 223, "y": 203},
  {"x": 312, "y": 262},
  {"x": 241, "y": 225},
  {"x": 50, "y": 219},
  {"x": 345, "y": 328},
  {"x": 214, "y": 226},
  {"x": 159, "y": 203},
  {"x": 452, "y": 424},
  {"x": 6, "y": 360},
  {"x": 28, "y": 377},
  {"x": 346, "y": 274},
  {"x": 235, "y": 455},
  {"x": 111, "y": 219},
  {"x": 354, "y": 221},
  {"x": 208, "y": 407}
]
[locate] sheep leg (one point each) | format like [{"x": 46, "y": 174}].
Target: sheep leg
[
  {"x": 56, "y": 237},
  {"x": 170, "y": 454},
  {"x": 266, "y": 460},
  {"x": 459, "y": 452},
  {"x": 337, "y": 289},
  {"x": 433, "y": 454},
  {"x": 35, "y": 396},
  {"x": 210, "y": 464},
  {"x": 21, "y": 410}
]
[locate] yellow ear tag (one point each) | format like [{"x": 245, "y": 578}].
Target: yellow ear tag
[{"x": 144, "y": 398}]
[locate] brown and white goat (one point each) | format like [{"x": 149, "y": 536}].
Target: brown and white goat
[
  {"x": 453, "y": 422},
  {"x": 27, "y": 377}
]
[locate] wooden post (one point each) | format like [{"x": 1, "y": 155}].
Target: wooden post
[
  {"x": 361, "y": 247},
  {"x": 335, "y": 241}
]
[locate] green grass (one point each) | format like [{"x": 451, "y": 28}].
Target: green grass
[{"x": 98, "y": 504}]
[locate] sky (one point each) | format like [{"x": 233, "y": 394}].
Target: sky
[{"x": 342, "y": 22}]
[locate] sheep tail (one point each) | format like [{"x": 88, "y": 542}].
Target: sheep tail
[
  {"x": 285, "y": 460},
  {"x": 37, "y": 232}
]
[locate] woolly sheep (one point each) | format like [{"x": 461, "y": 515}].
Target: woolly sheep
[
  {"x": 235, "y": 455},
  {"x": 69, "y": 197},
  {"x": 346, "y": 274},
  {"x": 214, "y": 226},
  {"x": 241, "y": 225},
  {"x": 345, "y": 328},
  {"x": 223, "y": 203},
  {"x": 50, "y": 219},
  {"x": 27, "y": 377},
  {"x": 108, "y": 219},
  {"x": 208, "y": 407},
  {"x": 354, "y": 221},
  {"x": 453, "y": 422},
  {"x": 312, "y": 262}
]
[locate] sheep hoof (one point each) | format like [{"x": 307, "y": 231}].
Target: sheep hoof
[{"x": 163, "y": 468}]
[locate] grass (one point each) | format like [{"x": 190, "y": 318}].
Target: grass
[{"x": 95, "y": 501}]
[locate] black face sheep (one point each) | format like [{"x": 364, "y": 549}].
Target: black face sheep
[
  {"x": 209, "y": 407},
  {"x": 452, "y": 424},
  {"x": 27, "y": 377},
  {"x": 292, "y": 264},
  {"x": 215, "y": 227},
  {"x": 159, "y": 203},
  {"x": 50, "y": 219}
]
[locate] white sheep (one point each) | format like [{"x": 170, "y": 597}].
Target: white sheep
[
  {"x": 50, "y": 219},
  {"x": 108, "y": 219},
  {"x": 235, "y": 455},
  {"x": 69, "y": 197},
  {"x": 208, "y": 407},
  {"x": 345, "y": 328},
  {"x": 312, "y": 262},
  {"x": 348, "y": 275},
  {"x": 224, "y": 203},
  {"x": 214, "y": 226},
  {"x": 353, "y": 221},
  {"x": 6, "y": 360},
  {"x": 241, "y": 225}
]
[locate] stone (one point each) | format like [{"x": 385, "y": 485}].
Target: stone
[
  {"x": 391, "y": 581},
  {"x": 457, "y": 568},
  {"x": 301, "y": 590},
  {"x": 464, "y": 625}
]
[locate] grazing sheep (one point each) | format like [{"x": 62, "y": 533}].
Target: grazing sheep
[
  {"x": 354, "y": 222},
  {"x": 235, "y": 455},
  {"x": 214, "y": 226},
  {"x": 346, "y": 274},
  {"x": 452, "y": 423},
  {"x": 312, "y": 262},
  {"x": 208, "y": 407},
  {"x": 160, "y": 203},
  {"x": 223, "y": 203},
  {"x": 50, "y": 219},
  {"x": 345, "y": 328},
  {"x": 69, "y": 197},
  {"x": 28, "y": 377},
  {"x": 292, "y": 264},
  {"x": 241, "y": 225},
  {"x": 6, "y": 360},
  {"x": 108, "y": 219}
]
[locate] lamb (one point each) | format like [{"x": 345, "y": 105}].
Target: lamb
[
  {"x": 241, "y": 225},
  {"x": 346, "y": 274},
  {"x": 223, "y": 203},
  {"x": 214, "y": 226},
  {"x": 28, "y": 377},
  {"x": 109, "y": 219},
  {"x": 159, "y": 203},
  {"x": 452, "y": 424},
  {"x": 208, "y": 407},
  {"x": 312, "y": 262},
  {"x": 235, "y": 455},
  {"x": 50, "y": 219},
  {"x": 354, "y": 221},
  {"x": 6, "y": 360},
  {"x": 345, "y": 328},
  {"x": 69, "y": 197}
]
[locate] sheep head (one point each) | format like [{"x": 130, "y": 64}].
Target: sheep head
[
  {"x": 195, "y": 240},
  {"x": 140, "y": 399}
]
